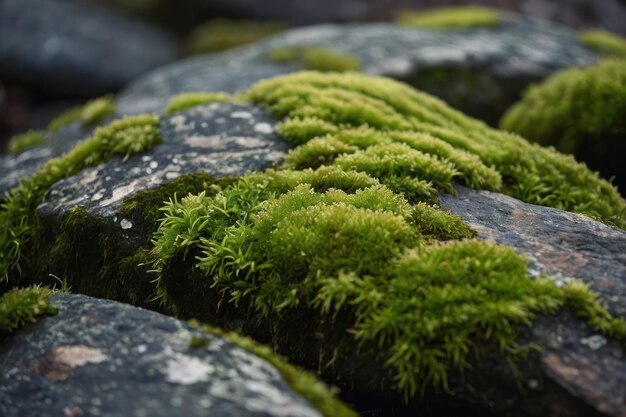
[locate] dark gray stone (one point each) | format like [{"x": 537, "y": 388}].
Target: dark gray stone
[
  {"x": 65, "y": 48},
  {"x": 103, "y": 358},
  {"x": 480, "y": 71}
]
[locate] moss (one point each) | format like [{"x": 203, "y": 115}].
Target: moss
[
  {"x": 23, "y": 141},
  {"x": 456, "y": 17},
  {"x": 89, "y": 114},
  {"x": 315, "y": 58},
  {"x": 122, "y": 137},
  {"x": 21, "y": 306},
  {"x": 604, "y": 42},
  {"x": 188, "y": 100},
  {"x": 578, "y": 111},
  {"x": 221, "y": 34},
  {"x": 304, "y": 383}
]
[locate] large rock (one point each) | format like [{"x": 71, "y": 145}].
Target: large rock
[
  {"x": 61, "y": 47},
  {"x": 99, "y": 357},
  {"x": 480, "y": 71}
]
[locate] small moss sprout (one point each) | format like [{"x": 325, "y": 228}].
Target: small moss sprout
[
  {"x": 315, "y": 58},
  {"x": 22, "y": 306},
  {"x": 221, "y": 34},
  {"x": 454, "y": 17},
  {"x": 23, "y": 141},
  {"x": 604, "y": 42},
  {"x": 89, "y": 114}
]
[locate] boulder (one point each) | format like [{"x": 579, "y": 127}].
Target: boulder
[{"x": 99, "y": 357}]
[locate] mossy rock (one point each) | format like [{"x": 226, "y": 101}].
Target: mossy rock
[{"x": 580, "y": 112}]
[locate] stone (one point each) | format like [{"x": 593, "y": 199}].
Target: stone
[
  {"x": 480, "y": 72},
  {"x": 66, "y": 48},
  {"x": 100, "y": 357}
]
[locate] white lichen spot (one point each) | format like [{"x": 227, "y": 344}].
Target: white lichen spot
[
  {"x": 171, "y": 175},
  {"x": 146, "y": 158},
  {"x": 186, "y": 370},
  {"x": 263, "y": 128},
  {"x": 142, "y": 349},
  {"x": 126, "y": 224},
  {"x": 154, "y": 164},
  {"x": 595, "y": 342},
  {"x": 241, "y": 115},
  {"x": 78, "y": 355},
  {"x": 149, "y": 171}
]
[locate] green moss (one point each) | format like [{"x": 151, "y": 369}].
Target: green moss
[
  {"x": 23, "y": 141},
  {"x": 605, "y": 42},
  {"x": 21, "y": 306},
  {"x": 221, "y": 34},
  {"x": 122, "y": 137},
  {"x": 89, "y": 114},
  {"x": 579, "y": 111},
  {"x": 456, "y": 17},
  {"x": 304, "y": 383},
  {"x": 186, "y": 101},
  {"x": 315, "y": 58}
]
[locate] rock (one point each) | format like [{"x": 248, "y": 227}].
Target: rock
[
  {"x": 99, "y": 357},
  {"x": 64, "y": 48},
  {"x": 481, "y": 72}
]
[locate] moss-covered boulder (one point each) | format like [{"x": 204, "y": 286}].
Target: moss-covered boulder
[
  {"x": 480, "y": 70},
  {"x": 357, "y": 254},
  {"x": 99, "y": 357}
]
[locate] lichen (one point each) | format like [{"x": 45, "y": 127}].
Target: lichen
[
  {"x": 315, "y": 58},
  {"x": 455, "y": 17},
  {"x": 89, "y": 114},
  {"x": 21, "y": 306},
  {"x": 221, "y": 34},
  {"x": 124, "y": 137},
  {"x": 579, "y": 111},
  {"x": 186, "y": 101},
  {"x": 604, "y": 42},
  {"x": 26, "y": 140}
]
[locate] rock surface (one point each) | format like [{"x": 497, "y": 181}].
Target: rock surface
[
  {"x": 481, "y": 71},
  {"x": 99, "y": 357},
  {"x": 65, "y": 48}
]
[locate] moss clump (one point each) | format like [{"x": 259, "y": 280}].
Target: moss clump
[
  {"x": 315, "y": 58},
  {"x": 21, "y": 306},
  {"x": 186, "y": 101},
  {"x": 579, "y": 111},
  {"x": 23, "y": 141},
  {"x": 89, "y": 114},
  {"x": 332, "y": 115},
  {"x": 605, "y": 42},
  {"x": 124, "y": 137},
  {"x": 302, "y": 382},
  {"x": 221, "y": 34},
  {"x": 456, "y": 17}
]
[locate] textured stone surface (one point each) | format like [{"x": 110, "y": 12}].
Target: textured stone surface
[
  {"x": 491, "y": 66},
  {"x": 66, "y": 48},
  {"x": 103, "y": 358}
]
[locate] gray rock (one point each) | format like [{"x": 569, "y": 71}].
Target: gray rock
[
  {"x": 103, "y": 358},
  {"x": 61, "y": 47},
  {"x": 480, "y": 71}
]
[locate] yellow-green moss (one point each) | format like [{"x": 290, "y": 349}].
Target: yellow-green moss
[
  {"x": 186, "y": 101},
  {"x": 220, "y": 34},
  {"x": 315, "y": 58},
  {"x": 455, "y": 17},
  {"x": 89, "y": 114},
  {"x": 605, "y": 42},
  {"x": 21, "y": 306},
  {"x": 23, "y": 141}
]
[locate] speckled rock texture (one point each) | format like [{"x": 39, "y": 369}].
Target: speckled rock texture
[
  {"x": 61, "y": 47},
  {"x": 479, "y": 71},
  {"x": 103, "y": 358}
]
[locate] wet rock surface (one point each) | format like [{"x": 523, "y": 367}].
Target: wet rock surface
[
  {"x": 99, "y": 357},
  {"x": 64, "y": 48},
  {"x": 479, "y": 71}
]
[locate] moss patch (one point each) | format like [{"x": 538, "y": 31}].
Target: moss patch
[
  {"x": 605, "y": 42},
  {"x": 579, "y": 111},
  {"x": 23, "y": 141},
  {"x": 21, "y": 306},
  {"x": 315, "y": 58},
  {"x": 456, "y": 17},
  {"x": 89, "y": 114},
  {"x": 221, "y": 34},
  {"x": 186, "y": 101}
]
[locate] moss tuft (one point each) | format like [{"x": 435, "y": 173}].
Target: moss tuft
[
  {"x": 23, "y": 141},
  {"x": 89, "y": 114},
  {"x": 455, "y": 17},
  {"x": 21, "y": 306},
  {"x": 221, "y": 34},
  {"x": 186, "y": 101},
  {"x": 604, "y": 42},
  {"x": 315, "y": 58},
  {"x": 579, "y": 111}
]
